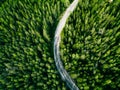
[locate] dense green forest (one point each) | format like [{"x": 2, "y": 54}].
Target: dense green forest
[{"x": 90, "y": 45}]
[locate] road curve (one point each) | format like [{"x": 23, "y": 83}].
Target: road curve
[{"x": 65, "y": 76}]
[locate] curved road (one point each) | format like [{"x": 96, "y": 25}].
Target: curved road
[{"x": 65, "y": 76}]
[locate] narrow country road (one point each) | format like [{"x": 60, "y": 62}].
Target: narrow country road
[{"x": 65, "y": 76}]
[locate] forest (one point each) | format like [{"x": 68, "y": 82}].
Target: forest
[{"x": 89, "y": 47}]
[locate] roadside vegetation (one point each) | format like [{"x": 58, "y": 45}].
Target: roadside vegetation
[{"x": 90, "y": 45}]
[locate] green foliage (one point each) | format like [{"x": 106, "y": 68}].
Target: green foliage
[
  {"x": 91, "y": 44},
  {"x": 26, "y": 35},
  {"x": 90, "y": 47}
]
